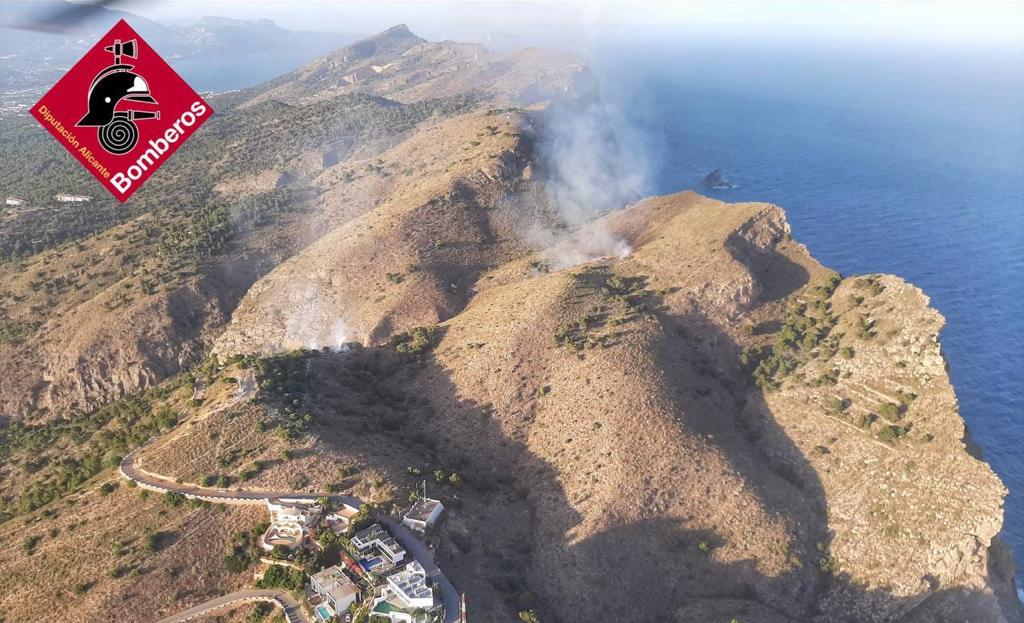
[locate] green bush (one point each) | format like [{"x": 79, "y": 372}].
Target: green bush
[
  {"x": 28, "y": 544},
  {"x": 415, "y": 341},
  {"x": 279, "y": 576},
  {"x": 890, "y": 411},
  {"x": 891, "y": 433}
]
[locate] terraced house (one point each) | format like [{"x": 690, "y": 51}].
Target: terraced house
[
  {"x": 407, "y": 597},
  {"x": 334, "y": 591},
  {"x": 380, "y": 550}
]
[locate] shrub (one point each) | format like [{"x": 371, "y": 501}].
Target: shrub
[
  {"x": 846, "y": 352},
  {"x": 363, "y": 518},
  {"x": 173, "y": 498},
  {"x": 890, "y": 411},
  {"x": 278, "y": 576},
  {"x": 415, "y": 341},
  {"x": 891, "y": 433},
  {"x": 864, "y": 328},
  {"x": 837, "y": 405},
  {"x": 28, "y": 544}
]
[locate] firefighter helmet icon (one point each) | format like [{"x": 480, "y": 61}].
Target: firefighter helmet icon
[{"x": 117, "y": 131}]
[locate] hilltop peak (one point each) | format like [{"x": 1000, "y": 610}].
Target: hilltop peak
[{"x": 398, "y": 30}]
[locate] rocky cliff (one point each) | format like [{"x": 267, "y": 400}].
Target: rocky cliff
[{"x": 667, "y": 411}]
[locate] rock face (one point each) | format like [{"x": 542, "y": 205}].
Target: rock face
[{"x": 715, "y": 180}]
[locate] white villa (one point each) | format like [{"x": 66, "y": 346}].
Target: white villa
[
  {"x": 290, "y": 523},
  {"x": 335, "y": 590},
  {"x": 423, "y": 514},
  {"x": 63, "y": 198},
  {"x": 376, "y": 538},
  {"x": 14, "y": 201},
  {"x": 406, "y": 592}
]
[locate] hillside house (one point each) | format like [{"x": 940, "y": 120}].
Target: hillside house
[
  {"x": 340, "y": 519},
  {"x": 423, "y": 514},
  {"x": 374, "y": 542},
  {"x": 406, "y": 592},
  {"x": 61, "y": 197},
  {"x": 14, "y": 201},
  {"x": 291, "y": 524},
  {"x": 334, "y": 589}
]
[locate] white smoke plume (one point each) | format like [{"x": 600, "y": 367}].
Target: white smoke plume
[
  {"x": 591, "y": 167},
  {"x": 314, "y": 325}
]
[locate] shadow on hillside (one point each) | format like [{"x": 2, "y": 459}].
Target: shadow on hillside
[
  {"x": 777, "y": 274},
  {"x": 510, "y": 543}
]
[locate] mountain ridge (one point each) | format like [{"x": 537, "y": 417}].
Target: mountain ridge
[{"x": 672, "y": 393}]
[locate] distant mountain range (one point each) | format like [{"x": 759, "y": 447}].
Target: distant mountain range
[{"x": 31, "y": 58}]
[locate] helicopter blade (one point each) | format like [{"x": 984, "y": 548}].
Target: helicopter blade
[{"x": 61, "y": 18}]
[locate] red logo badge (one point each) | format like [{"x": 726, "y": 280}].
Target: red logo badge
[{"x": 122, "y": 111}]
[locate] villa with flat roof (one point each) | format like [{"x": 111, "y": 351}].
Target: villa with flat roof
[
  {"x": 65, "y": 198},
  {"x": 377, "y": 539},
  {"x": 290, "y": 523},
  {"x": 406, "y": 592},
  {"x": 423, "y": 514},
  {"x": 335, "y": 590}
]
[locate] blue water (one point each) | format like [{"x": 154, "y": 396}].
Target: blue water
[
  {"x": 369, "y": 564},
  {"x": 324, "y": 612},
  {"x": 904, "y": 161}
]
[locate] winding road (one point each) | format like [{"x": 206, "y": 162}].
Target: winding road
[
  {"x": 292, "y": 611},
  {"x": 131, "y": 469}
]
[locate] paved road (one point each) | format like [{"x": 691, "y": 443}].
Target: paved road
[
  {"x": 292, "y": 612},
  {"x": 132, "y": 471},
  {"x": 425, "y": 557}
]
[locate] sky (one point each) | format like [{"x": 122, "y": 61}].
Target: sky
[{"x": 985, "y": 24}]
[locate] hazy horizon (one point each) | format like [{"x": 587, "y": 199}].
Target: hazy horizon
[{"x": 573, "y": 25}]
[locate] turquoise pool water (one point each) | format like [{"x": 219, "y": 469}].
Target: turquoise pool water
[{"x": 324, "y": 612}]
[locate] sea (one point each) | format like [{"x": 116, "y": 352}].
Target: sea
[
  {"x": 903, "y": 159},
  {"x": 887, "y": 157}
]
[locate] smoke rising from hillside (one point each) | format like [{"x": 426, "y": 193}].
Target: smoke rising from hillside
[
  {"x": 314, "y": 325},
  {"x": 592, "y": 166}
]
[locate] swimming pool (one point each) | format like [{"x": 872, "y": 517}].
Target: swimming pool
[
  {"x": 369, "y": 564},
  {"x": 324, "y": 612}
]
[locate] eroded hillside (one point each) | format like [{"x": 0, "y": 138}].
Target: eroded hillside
[
  {"x": 668, "y": 412},
  {"x": 706, "y": 415},
  {"x": 97, "y": 305}
]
